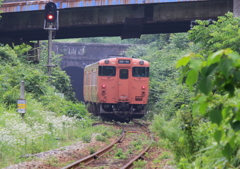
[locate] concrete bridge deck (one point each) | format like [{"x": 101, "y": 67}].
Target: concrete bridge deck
[{"x": 127, "y": 21}]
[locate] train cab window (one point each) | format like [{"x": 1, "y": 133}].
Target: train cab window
[
  {"x": 140, "y": 72},
  {"x": 123, "y": 74},
  {"x": 106, "y": 70}
]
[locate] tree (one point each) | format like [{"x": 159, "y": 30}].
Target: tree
[
  {"x": 215, "y": 35},
  {"x": 217, "y": 81}
]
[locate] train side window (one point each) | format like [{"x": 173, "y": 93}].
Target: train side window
[
  {"x": 140, "y": 72},
  {"x": 123, "y": 74},
  {"x": 107, "y": 71}
]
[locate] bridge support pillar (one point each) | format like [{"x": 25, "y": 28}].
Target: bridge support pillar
[{"x": 236, "y": 8}]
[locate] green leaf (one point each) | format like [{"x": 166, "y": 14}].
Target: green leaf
[
  {"x": 205, "y": 85},
  {"x": 203, "y": 108},
  {"x": 234, "y": 56},
  {"x": 195, "y": 64},
  {"x": 237, "y": 63},
  {"x": 237, "y": 115},
  {"x": 220, "y": 82},
  {"x": 232, "y": 141},
  {"x": 225, "y": 112},
  {"x": 204, "y": 70},
  {"x": 215, "y": 116},
  {"x": 202, "y": 98},
  {"x": 215, "y": 57},
  {"x": 192, "y": 78},
  {"x": 217, "y": 136},
  {"x": 227, "y": 151},
  {"x": 230, "y": 88},
  {"x": 183, "y": 61},
  {"x": 195, "y": 109},
  {"x": 211, "y": 69},
  {"x": 225, "y": 66},
  {"x": 236, "y": 75},
  {"x": 236, "y": 126}
]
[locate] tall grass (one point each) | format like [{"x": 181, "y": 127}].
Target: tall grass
[
  {"x": 39, "y": 131},
  {"x": 204, "y": 154}
]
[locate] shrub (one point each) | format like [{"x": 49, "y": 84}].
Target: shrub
[
  {"x": 75, "y": 110},
  {"x": 140, "y": 164},
  {"x": 86, "y": 138},
  {"x": 119, "y": 154},
  {"x": 100, "y": 138}
]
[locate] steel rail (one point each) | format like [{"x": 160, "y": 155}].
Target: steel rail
[
  {"x": 96, "y": 155},
  {"x": 140, "y": 156}
]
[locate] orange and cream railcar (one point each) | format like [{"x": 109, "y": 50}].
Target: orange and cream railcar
[{"x": 117, "y": 88}]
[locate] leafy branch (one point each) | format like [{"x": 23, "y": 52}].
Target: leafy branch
[{"x": 217, "y": 82}]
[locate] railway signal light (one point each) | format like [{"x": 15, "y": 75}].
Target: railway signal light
[{"x": 50, "y": 12}]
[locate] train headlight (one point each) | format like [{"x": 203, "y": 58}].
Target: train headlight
[
  {"x": 106, "y": 61},
  {"x": 141, "y": 62},
  {"x": 143, "y": 87},
  {"x": 103, "y": 86}
]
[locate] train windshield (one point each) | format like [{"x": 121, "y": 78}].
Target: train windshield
[
  {"x": 123, "y": 74},
  {"x": 140, "y": 72},
  {"x": 106, "y": 70}
]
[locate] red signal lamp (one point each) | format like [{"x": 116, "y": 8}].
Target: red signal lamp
[
  {"x": 50, "y": 12},
  {"x": 50, "y": 17}
]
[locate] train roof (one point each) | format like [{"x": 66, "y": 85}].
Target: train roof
[{"x": 121, "y": 61}]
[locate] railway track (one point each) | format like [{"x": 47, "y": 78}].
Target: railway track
[{"x": 122, "y": 153}]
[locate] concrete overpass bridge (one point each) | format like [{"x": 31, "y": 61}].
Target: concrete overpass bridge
[{"x": 23, "y": 21}]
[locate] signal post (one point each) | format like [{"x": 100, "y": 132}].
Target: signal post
[{"x": 51, "y": 24}]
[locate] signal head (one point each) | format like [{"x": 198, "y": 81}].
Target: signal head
[{"x": 50, "y": 12}]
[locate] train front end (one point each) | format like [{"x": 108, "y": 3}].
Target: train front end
[{"x": 123, "y": 88}]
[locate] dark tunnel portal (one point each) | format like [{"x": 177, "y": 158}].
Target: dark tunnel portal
[{"x": 76, "y": 76}]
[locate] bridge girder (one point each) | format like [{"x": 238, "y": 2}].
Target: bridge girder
[{"x": 127, "y": 21}]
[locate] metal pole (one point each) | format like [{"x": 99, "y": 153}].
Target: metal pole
[
  {"x": 49, "y": 50},
  {"x": 22, "y": 90}
]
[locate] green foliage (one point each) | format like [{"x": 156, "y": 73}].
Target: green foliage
[
  {"x": 217, "y": 92},
  {"x": 202, "y": 130},
  {"x": 106, "y": 134},
  {"x": 179, "y": 40},
  {"x": 140, "y": 164},
  {"x": 21, "y": 51},
  {"x": 61, "y": 81},
  {"x": 137, "y": 144},
  {"x": 164, "y": 155},
  {"x": 92, "y": 150},
  {"x": 165, "y": 93},
  {"x": 145, "y": 39},
  {"x": 216, "y": 35},
  {"x": 100, "y": 138},
  {"x": 184, "y": 135},
  {"x": 36, "y": 80},
  {"x": 7, "y": 55},
  {"x": 75, "y": 110},
  {"x": 45, "y": 125},
  {"x": 87, "y": 138},
  {"x": 119, "y": 154},
  {"x": 53, "y": 161}
]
